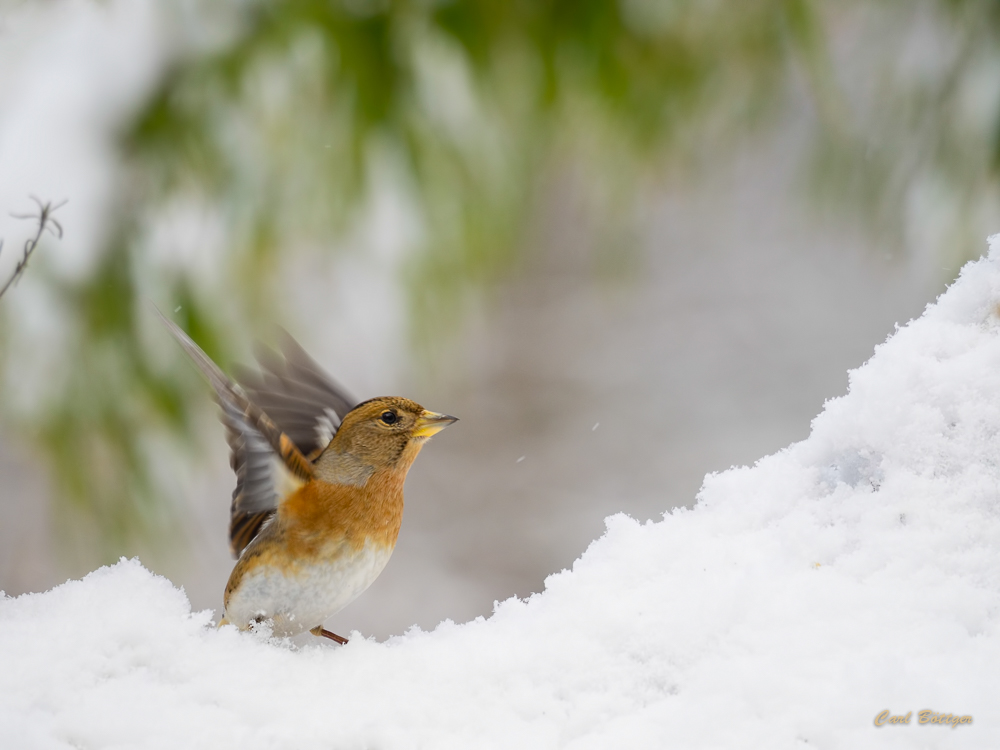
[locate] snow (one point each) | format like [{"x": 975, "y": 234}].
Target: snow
[{"x": 854, "y": 572}]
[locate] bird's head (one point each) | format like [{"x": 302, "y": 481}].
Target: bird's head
[{"x": 378, "y": 435}]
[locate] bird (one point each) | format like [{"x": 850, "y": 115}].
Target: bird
[{"x": 303, "y": 555}]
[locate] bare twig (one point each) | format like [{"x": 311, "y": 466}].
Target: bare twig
[{"x": 45, "y": 222}]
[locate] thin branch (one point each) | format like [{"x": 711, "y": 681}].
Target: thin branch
[{"x": 45, "y": 223}]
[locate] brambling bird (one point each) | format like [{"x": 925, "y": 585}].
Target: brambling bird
[{"x": 306, "y": 555}]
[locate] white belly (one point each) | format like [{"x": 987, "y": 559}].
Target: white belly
[{"x": 299, "y": 600}]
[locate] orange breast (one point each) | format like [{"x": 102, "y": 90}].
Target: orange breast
[
  {"x": 322, "y": 523},
  {"x": 318, "y": 514}
]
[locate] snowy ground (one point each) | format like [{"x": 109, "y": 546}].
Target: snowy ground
[{"x": 854, "y": 572}]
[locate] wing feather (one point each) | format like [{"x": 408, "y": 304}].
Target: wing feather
[
  {"x": 254, "y": 440},
  {"x": 303, "y": 400}
]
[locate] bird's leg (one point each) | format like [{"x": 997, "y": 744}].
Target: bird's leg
[{"x": 320, "y": 630}]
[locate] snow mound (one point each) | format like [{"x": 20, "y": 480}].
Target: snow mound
[{"x": 854, "y": 572}]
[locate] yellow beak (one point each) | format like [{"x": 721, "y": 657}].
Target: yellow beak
[{"x": 431, "y": 423}]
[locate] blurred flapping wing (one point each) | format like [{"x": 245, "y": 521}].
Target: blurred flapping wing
[
  {"x": 305, "y": 403},
  {"x": 254, "y": 440}
]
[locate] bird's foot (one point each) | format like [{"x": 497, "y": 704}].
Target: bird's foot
[{"x": 320, "y": 630}]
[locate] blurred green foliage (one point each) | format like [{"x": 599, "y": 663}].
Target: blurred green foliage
[
  {"x": 911, "y": 126},
  {"x": 278, "y": 127}
]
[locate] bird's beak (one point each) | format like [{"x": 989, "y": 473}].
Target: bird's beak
[{"x": 431, "y": 423}]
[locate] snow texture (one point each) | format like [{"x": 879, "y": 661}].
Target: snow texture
[{"x": 854, "y": 572}]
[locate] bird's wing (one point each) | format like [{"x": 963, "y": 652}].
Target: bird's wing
[
  {"x": 254, "y": 440},
  {"x": 304, "y": 402},
  {"x": 255, "y": 498}
]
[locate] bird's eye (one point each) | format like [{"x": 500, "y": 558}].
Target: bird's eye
[{"x": 389, "y": 417}]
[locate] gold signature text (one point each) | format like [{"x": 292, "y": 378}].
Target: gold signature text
[{"x": 927, "y": 716}]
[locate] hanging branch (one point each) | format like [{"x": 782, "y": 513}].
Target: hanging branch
[{"x": 45, "y": 222}]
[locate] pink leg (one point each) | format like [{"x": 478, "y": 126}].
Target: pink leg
[{"x": 320, "y": 630}]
